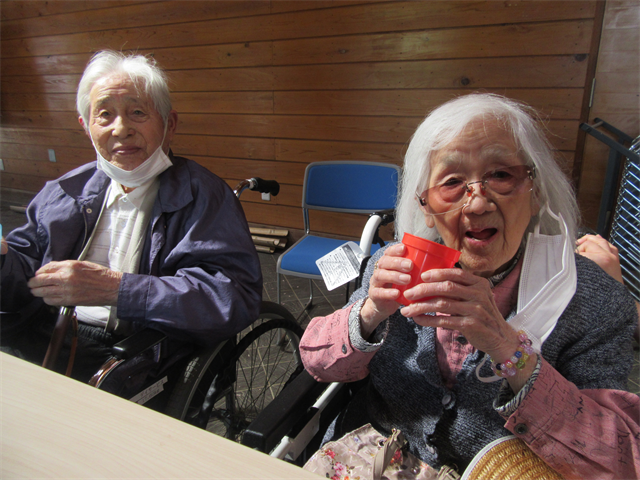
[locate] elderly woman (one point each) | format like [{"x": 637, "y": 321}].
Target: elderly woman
[
  {"x": 480, "y": 177},
  {"x": 138, "y": 238}
]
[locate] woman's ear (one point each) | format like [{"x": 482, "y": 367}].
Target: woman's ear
[
  {"x": 428, "y": 218},
  {"x": 535, "y": 203}
]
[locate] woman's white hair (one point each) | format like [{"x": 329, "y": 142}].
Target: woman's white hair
[
  {"x": 143, "y": 72},
  {"x": 443, "y": 124}
]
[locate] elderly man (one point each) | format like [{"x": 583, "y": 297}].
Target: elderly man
[{"x": 138, "y": 239}]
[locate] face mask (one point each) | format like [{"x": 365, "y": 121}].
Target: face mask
[
  {"x": 547, "y": 284},
  {"x": 153, "y": 166}
]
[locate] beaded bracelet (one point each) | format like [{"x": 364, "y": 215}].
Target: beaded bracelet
[{"x": 517, "y": 360}]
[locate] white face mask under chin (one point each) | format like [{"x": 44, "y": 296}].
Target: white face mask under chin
[{"x": 153, "y": 166}]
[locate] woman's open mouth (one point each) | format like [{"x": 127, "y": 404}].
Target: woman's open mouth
[{"x": 481, "y": 235}]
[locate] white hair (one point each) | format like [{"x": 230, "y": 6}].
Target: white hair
[
  {"x": 142, "y": 70},
  {"x": 446, "y": 122}
]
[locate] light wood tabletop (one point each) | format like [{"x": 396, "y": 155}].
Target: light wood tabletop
[{"x": 55, "y": 427}]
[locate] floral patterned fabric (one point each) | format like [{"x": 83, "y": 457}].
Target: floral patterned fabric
[{"x": 352, "y": 458}]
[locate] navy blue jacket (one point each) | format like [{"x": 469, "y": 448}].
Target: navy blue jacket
[{"x": 199, "y": 278}]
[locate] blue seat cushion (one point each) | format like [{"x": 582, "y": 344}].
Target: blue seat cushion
[{"x": 301, "y": 257}]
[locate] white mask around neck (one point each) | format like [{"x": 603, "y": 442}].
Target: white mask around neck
[{"x": 153, "y": 166}]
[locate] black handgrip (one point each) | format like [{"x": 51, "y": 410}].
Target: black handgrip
[{"x": 265, "y": 186}]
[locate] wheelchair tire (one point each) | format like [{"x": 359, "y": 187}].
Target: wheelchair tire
[{"x": 225, "y": 393}]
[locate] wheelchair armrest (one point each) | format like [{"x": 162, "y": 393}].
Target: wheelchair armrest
[
  {"x": 283, "y": 413},
  {"x": 137, "y": 343},
  {"x": 370, "y": 231}
]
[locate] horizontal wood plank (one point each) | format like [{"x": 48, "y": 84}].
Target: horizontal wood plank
[
  {"x": 27, "y": 183},
  {"x": 63, "y": 154},
  {"x": 281, "y": 6},
  {"x": 285, "y": 173},
  {"x": 220, "y": 146},
  {"x": 563, "y": 133},
  {"x": 291, "y": 150},
  {"x": 557, "y": 38},
  {"x": 40, "y": 169},
  {"x": 131, "y": 15},
  {"x": 21, "y": 9},
  {"x": 351, "y": 20},
  {"x": 34, "y": 136},
  {"x": 527, "y": 72},
  {"x": 554, "y": 103}
]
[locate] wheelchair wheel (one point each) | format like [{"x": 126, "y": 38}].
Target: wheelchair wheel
[{"x": 225, "y": 393}]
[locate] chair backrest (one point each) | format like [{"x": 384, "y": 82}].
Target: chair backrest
[
  {"x": 350, "y": 186},
  {"x": 625, "y": 228},
  {"x": 624, "y": 216}
]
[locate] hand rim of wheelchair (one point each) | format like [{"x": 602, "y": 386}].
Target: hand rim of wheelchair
[{"x": 205, "y": 400}]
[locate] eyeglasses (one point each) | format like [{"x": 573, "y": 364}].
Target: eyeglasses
[{"x": 501, "y": 182}]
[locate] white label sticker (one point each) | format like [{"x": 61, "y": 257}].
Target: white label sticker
[
  {"x": 340, "y": 265},
  {"x": 149, "y": 392}
]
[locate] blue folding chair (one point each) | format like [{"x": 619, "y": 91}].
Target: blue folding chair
[{"x": 346, "y": 187}]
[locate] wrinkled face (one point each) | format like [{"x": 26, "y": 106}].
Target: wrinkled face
[
  {"x": 124, "y": 125},
  {"x": 488, "y": 231}
]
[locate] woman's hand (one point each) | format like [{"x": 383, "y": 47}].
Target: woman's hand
[
  {"x": 468, "y": 306},
  {"x": 596, "y": 248},
  {"x": 390, "y": 269}
]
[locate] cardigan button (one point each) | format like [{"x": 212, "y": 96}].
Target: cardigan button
[
  {"x": 461, "y": 339},
  {"x": 448, "y": 400},
  {"x": 344, "y": 349},
  {"x": 521, "y": 429}
]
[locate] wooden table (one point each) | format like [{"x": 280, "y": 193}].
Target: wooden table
[{"x": 55, "y": 427}]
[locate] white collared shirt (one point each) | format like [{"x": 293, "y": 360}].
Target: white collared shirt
[{"x": 112, "y": 238}]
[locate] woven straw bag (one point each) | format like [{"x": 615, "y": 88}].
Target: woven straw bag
[{"x": 508, "y": 458}]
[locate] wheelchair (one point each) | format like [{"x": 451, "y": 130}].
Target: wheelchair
[{"x": 222, "y": 388}]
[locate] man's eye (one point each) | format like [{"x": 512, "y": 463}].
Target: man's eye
[{"x": 138, "y": 112}]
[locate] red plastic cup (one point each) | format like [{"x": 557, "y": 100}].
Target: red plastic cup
[{"x": 425, "y": 255}]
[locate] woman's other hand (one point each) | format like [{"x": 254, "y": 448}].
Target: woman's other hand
[
  {"x": 392, "y": 268},
  {"x": 596, "y": 248},
  {"x": 466, "y": 304}
]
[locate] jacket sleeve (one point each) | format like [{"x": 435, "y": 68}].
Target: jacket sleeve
[
  {"x": 582, "y": 434},
  {"x": 577, "y": 414},
  {"x": 205, "y": 281},
  {"x": 327, "y": 353}
]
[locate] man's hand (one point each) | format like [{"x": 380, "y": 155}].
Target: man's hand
[
  {"x": 74, "y": 283},
  {"x": 4, "y": 248},
  {"x": 602, "y": 252}
]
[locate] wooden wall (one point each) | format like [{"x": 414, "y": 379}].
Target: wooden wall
[
  {"x": 616, "y": 97},
  {"x": 265, "y": 87}
]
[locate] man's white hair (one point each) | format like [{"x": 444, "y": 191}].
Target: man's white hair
[{"x": 143, "y": 72}]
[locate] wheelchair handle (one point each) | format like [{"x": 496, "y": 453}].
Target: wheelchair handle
[{"x": 257, "y": 184}]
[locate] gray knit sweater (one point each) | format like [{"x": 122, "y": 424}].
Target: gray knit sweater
[{"x": 590, "y": 346}]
